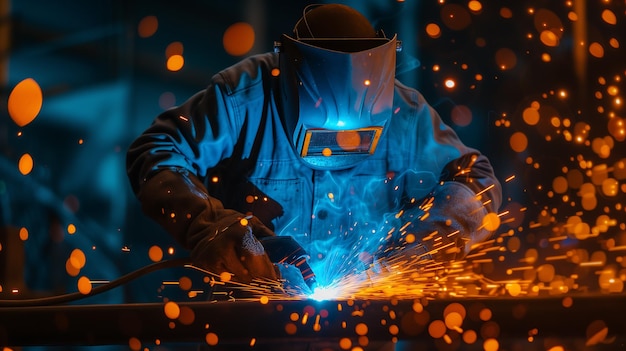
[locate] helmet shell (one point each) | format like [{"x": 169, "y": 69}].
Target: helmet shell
[{"x": 336, "y": 85}]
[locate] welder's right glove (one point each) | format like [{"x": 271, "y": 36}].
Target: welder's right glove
[
  {"x": 442, "y": 228},
  {"x": 231, "y": 245},
  {"x": 220, "y": 240}
]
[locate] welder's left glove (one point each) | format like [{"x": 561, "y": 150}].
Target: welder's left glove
[{"x": 444, "y": 227}]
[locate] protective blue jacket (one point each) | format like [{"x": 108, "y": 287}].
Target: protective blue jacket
[{"x": 226, "y": 148}]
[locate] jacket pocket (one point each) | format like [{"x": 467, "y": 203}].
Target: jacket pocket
[{"x": 281, "y": 204}]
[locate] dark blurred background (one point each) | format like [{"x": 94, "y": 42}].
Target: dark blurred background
[{"x": 536, "y": 85}]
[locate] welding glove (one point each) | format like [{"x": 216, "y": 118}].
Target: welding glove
[
  {"x": 443, "y": 227},
  {"x": 220, "y": 240},
  {"x": 231, "y": 245}
]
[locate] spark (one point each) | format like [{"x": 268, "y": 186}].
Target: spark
[
  {"x": 558, "y": 238},
  {"x": 555, "y": 258},
  {"x": 170, "y": 282},
  {"x": 522, "y": 268},
  {"x": 485, "y": 190},
  {"x": 399, "y": 276},
  {"x": 591, "y": 264}
]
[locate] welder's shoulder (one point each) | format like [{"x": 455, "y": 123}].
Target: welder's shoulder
[
  {"x": 406, "y": 96},
  {"x": 251, "y": 73}
]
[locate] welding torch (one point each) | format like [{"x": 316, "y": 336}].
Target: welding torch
[{"x": 286, "y": 250}]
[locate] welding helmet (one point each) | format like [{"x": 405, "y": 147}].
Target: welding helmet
[{"x": 336, "y": 84}]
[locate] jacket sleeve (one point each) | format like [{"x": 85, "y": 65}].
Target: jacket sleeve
[
  {"x": 167, "y": 162},
  {"x": 457, "y": 162},
  {"x": 451, "y": 219}
]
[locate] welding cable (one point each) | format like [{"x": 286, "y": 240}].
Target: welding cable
[{"x": 59, "y": 299}]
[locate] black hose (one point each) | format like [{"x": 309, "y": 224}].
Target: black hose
[{"x": 58, "y": 299}]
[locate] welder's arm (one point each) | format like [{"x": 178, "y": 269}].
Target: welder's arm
[
  {"x": 165, "y": 166},
  {"x": 451, "y": 220},
  {"x": 453, "y": 213},
  {"x": 220, "y": 240}
]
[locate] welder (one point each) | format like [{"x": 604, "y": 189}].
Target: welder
[{"x": 316, "y": 141}]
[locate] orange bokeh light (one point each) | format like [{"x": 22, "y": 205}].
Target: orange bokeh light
[
  {"x": 238, "y": 39},
  {"x": 25, "y": 102},
  {"x": 147, "y": 26}
]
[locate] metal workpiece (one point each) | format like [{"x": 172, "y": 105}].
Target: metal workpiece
[{"x": 528, "y": 323}]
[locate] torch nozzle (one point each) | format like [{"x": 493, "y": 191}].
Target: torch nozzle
[{"x": 286, "y": 250}]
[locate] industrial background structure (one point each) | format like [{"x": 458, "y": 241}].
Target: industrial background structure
[{"x": 537, "y": 86}]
